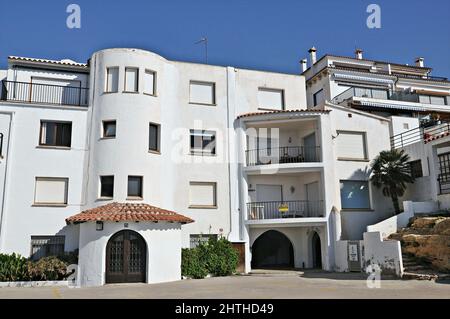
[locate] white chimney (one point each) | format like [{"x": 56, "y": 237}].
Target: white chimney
[
  {"x": 359, "y": 54},
  {"x": 313, "y": 55},
  {"x": 303, "y": 63},
  {"x": 419, "y": 62}
]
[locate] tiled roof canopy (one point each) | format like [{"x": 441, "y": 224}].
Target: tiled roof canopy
[
  {"x": 310, "y": 111},
  {"x": 128, "y": 212}
]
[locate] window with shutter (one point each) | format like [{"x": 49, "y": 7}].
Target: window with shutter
[
  {"x": 202, "y": 93},
  {"x": 51, "y": 191},
  {"x": 351, "y": 145},
  {"x": 202, "y": 195},
  {"x": 272, "y": 99},
  {"x": 131, "y": 79}
]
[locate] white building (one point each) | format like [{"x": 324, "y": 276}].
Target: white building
[{"x": 223, "y": 151}]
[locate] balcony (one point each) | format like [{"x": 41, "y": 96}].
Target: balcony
[
  {"x": 35, "y": 93},
  {"x": 283, "y": 155},
  {"x": 400, "y": 100},
  {"x": 285, "y": 209}
]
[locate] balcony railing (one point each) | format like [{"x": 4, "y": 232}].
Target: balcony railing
[
  {"x": 285, "y": 209},
  {"x": 419, "y": 134},
  {"x": 282, "y": 155},
  {"x": 43, "y": 93}
]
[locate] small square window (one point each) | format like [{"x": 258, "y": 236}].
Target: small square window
[
  {"x": 405, "y": 126},
  {"x": 203, "y": 142},
  {"x": 202, "y": 93},
  {"x": 51, "y": 191},
  {"x": 416, "y": 168},
  {"x": 55, "y": 134},
  {"x": 135, "y": 186},
  {"x": 109, "y": 129},
  {"x": 107, "y": 186}
]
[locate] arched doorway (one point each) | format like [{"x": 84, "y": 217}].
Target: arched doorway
[
  {"x": 316, "y": 251},
  {"x": 126, "y": 254},
  {"x": 272, "y": 250}
]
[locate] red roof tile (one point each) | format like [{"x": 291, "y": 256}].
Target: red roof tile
[
  {"x": 128, "y": 212},
  {"x": 311, "y": 111}
]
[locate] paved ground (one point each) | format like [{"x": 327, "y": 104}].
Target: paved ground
[{"x": 281, "y": 285}]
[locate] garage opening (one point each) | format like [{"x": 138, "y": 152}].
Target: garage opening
[{"x": 272, "y": 250}]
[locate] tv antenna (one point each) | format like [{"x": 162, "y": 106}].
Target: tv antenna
[{"x": 205, "y": 41}]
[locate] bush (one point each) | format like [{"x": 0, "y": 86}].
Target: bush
[
  {"x": 215, "y": 257},
  {"x": 48, "y": 268},
  {"x": 192, "y": 265},
  {"x": 13, "y": 268}
]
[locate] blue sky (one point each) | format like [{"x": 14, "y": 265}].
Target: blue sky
[{"x": 268, "y": 35}]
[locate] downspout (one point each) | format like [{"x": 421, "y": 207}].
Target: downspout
[
  {"x": 8, "y": 149},
  {"x": 229, "y": 154}
]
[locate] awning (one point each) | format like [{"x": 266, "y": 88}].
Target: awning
[
  {"x": 392, "y": 106},
  {"x": 362, "y": 78}
]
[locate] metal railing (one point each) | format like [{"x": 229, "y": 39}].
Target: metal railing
[
  {"x": 420, "y": 134},
  {"x": 282, "y": 155},
  {"x": 43, "y": 93},
  {"x": 285, "y": 209}
]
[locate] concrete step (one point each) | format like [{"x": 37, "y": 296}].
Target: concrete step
[{"x": 418, "y": 276}]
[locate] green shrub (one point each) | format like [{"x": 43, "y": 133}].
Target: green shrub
[
  {"x": 47, "y": 268},
  {"x": 222, "y": 257},
  {"x": 192, "y": 265},
  {"x": 215, "y": 257},
  {"x": 13, "y": 268}
]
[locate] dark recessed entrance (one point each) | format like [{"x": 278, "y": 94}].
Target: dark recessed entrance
[
  {"x": 272, "y": 250},
  {"x": 126, "y": 253},
  {"x": 316, "y": 251}
]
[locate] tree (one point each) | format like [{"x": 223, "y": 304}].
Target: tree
[{"x": 391, "y": 173}]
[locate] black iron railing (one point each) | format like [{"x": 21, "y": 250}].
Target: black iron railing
[
  {"x": 420, "y": 134},
  {"x": 43, "y": 93},
  {"x": 282, "y": 155},
  {"x": 285, "y": 209}
]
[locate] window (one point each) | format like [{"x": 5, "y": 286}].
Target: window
[
  {"x": 55, "y": 134},
  {"x": 131, "y": 79},
  {"x": 432, "y": 99},
  {"x": 416, "y": 168},
  {"x": 112, "y": 79},
  {"x": 51, "y": 191},
  {"x": 351, "y": 145},
  {"x": 149, "y": 82},
  {"x": 381, "y": 94},
  {"x": 355, "y": 195},
  {"x": 405, "y": 126},
  {"x": 202, "y": 93},
  {"x": 319, "y": 97},
  {"x": 196, "y": 239},
  {"x": 272, "y": 99},
  {"x": 202, "y": 195},
  {"x": 46, "y": 246},
  {"x": 154, "y": 139},
  {"x": 203, "y": 142},
  {"x": 109, "y": 129},
  {"x": 106, "y": 186},
  {"x": 135, "y": 186}
]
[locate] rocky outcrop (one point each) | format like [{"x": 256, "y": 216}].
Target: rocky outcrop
[{"x": 427, "y": 239}]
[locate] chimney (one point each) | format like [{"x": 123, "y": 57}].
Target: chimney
[
  {"x": 312, "y": 55},
  {"x": 359, "y": 54},
  {"x": 419, "y": 62},
  {"x": 303, "y": 63}
]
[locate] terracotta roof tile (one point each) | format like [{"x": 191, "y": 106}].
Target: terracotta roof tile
[
  {"x": 128, "y": 212},
  {"x": 311, "y": 111},
  {"x": 62, "y": 62}
]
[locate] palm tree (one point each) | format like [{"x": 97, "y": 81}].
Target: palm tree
[{"x": 391, "y": 173}]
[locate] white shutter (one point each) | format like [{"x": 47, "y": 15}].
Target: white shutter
[
  {"x": 149, "y": 82},
  {"x": 202, "y": 194},
  {"x": 51, "y": 191},
  {"x": 351, "y": 145},
  {"x": 112, "y": 80},
  {"x": 201, "y": 92},
  {"x": 131, "y": 79},
  {"x": 270, "y": 99}
]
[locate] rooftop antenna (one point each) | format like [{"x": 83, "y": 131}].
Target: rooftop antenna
[{"x": 205, "y": 41}]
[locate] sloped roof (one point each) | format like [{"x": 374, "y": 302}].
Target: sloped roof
[
  {"x": 128, "y": 212},
  {"x": 65, "y": 62}
]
